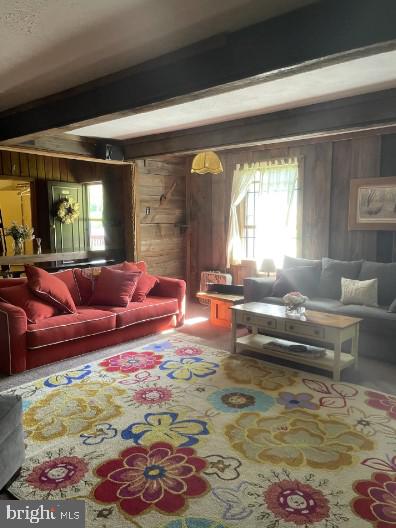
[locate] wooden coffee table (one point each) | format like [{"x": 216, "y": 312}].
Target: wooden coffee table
[
  {"x": 220, "y": 304},
  {"x": 312, "y": 327}
]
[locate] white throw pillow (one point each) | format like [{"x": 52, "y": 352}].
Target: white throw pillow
[{"x": 359, "y": 292}]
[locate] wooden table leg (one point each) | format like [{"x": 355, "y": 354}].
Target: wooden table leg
[
  {"x": 233, "y": 332},
  {"x": 337, "y": 360},
  {"x": 355, "y": 346}
]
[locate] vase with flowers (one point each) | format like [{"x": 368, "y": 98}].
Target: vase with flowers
[
  {"x": 19, "y": 233},
  {"x": 294, "y": 302}
]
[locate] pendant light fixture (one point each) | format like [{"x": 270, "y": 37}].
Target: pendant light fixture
[{"x": 207, "y": 162}]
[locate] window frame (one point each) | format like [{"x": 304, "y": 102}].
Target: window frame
[
  {"x": 93, "y": 219},
  {"x": 299, "y": 221}
]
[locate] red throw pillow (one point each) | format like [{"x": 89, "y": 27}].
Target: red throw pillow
[
  {"x": 130, "y": 266},
  {"x": 114, "y": 287},
  {"x": 49, "y": 288},
  {"x": 144, "y": 285},
  {"x": 67, "y": 276},
  {"x": 21, "y": 296}
]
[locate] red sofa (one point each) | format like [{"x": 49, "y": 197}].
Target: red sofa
[{"x": 24, "y": 345}]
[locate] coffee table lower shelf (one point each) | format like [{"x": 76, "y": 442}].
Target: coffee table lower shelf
[{"x": 259, "y": 343}]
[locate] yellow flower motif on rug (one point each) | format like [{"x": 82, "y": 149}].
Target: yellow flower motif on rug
[
  {"x": 296, "y": 438},
  {"x": 72, "y": 411},
  {"x": 252, "y": 372}
]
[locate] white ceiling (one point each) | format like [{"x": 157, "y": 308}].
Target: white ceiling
[
  {"x": 368, "y": 74},
  {"x": 51, "y": 45}
]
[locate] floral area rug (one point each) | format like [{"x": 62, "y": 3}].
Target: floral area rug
[{"x": 175, "y": 434}]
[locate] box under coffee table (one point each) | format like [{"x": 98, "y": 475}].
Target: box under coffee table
[{"x": 310, "y": 328}]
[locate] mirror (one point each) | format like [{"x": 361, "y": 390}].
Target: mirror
[{"x": 15, "y": 205}]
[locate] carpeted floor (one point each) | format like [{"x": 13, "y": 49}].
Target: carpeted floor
[{"x": 173, "y": 433}]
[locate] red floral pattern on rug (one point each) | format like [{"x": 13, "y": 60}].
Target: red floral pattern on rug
[
  {"x": 152, "y": 395},
  {"x": 158, "y": 476},
  {"x": 58, "y": 473},
  {"x": 296, "y": 502},
  {"x": 384, "y": 402},
  {"x": 188, "y": 351},
  {"x": 377, "y": 500},
  {"x": 129, "y": 362}
]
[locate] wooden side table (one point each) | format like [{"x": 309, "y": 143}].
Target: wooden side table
[{"x": 220, "y": 304}]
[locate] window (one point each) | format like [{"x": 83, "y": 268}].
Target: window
[
  {"x": 269, "y": 213},
  {"x": 95, "y": 217}
]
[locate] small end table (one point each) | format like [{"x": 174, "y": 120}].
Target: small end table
[{"x": 220, "y": 304}]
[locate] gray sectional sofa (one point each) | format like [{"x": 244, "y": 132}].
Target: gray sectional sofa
[{"x": 320, "y": 281}]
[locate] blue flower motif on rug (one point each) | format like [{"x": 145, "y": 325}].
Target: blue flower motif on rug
[
  {"x": 158, "y": 347},
  {"x": 103, "y": 431},
  {"x": 188, "y": 367},
  {"x": 165, "y": 427},
  {"x": 67, "y": 378},
  {"x": 237, "y": 399}
]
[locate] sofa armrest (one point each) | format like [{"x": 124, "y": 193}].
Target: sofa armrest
[
  {"x": 256, "y": 288},
  {"x": 168, "y": 287},
  {"x": 13, "y": 326}
]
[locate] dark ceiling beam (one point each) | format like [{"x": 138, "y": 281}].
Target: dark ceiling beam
[
  {"x": 62, "y": 146},
  {"x": 352, "y": 113},
  {"x": 315, "y": 31}
]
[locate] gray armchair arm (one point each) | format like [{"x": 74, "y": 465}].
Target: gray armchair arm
[{"x": 256, "y": 288}]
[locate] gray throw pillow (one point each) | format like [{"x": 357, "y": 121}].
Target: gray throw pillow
[
  {"x": 386, "y": 275},
  {"x": 304, "y": 279},
  {"x": 364, "y": 293},
  {"x": 296, "y": 262},
  {"x": 392, "y": 307},
  {"x": 332, "y": 271}
]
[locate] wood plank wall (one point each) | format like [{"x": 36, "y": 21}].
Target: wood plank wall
[
  {"x": 162, "y": 239},
  {"x": 328, "y": 167},
  {"x": 42, "y": 169}
]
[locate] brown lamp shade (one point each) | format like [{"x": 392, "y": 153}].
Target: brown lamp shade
[
  {"x": 268, "y": 266},
  {"x": 207, "y": 162}
]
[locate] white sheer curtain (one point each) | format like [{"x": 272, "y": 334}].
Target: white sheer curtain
[
  {"x": 275, "y": 211},
  {"x": 242, "y": 178},
  {"x": 276, "y": 214}
]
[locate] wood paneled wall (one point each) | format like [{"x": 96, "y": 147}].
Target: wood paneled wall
[
  {"x": 42, "y": 169},
  {"x": 328, "y": 166},
  {"x": 162, "y": 237}
]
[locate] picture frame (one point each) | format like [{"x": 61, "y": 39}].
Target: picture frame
[{"x": 372, "y": 204}]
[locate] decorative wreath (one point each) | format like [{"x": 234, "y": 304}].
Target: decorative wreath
[{"x": 67, "y": 210}]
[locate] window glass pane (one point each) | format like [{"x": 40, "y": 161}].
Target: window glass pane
[
  {"x": 95, "y": 217},
  {"x": 270, "y": 219}
]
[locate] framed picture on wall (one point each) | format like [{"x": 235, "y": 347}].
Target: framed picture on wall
[{"x": 372, "y": 204}]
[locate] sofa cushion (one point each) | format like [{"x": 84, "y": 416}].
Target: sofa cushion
[
  {"x": 49, "y": 288},
  {"x": 137, "y": 312},
  {"x": 332, "y": 272},
  {"x": 386, "y": 275},
  {"x": 114, "y": 287},
  {"x": 87, "y": 321},
  {"x": 145, "y": 284},
  {"x": 304, "y": 279},
  {"x": 34, "y": 308},
  {"x": 67, "y": 276},
  {"x": 296, "y": 262},
  {"x": 376, "y": 320},
  {"x": 359, "y": 292}
]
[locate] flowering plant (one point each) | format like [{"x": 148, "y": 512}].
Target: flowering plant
[
  {"x": 294, "y": 299},
  {"x": 67, "y": 210},
  {"x": 19, "y": 232}
]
